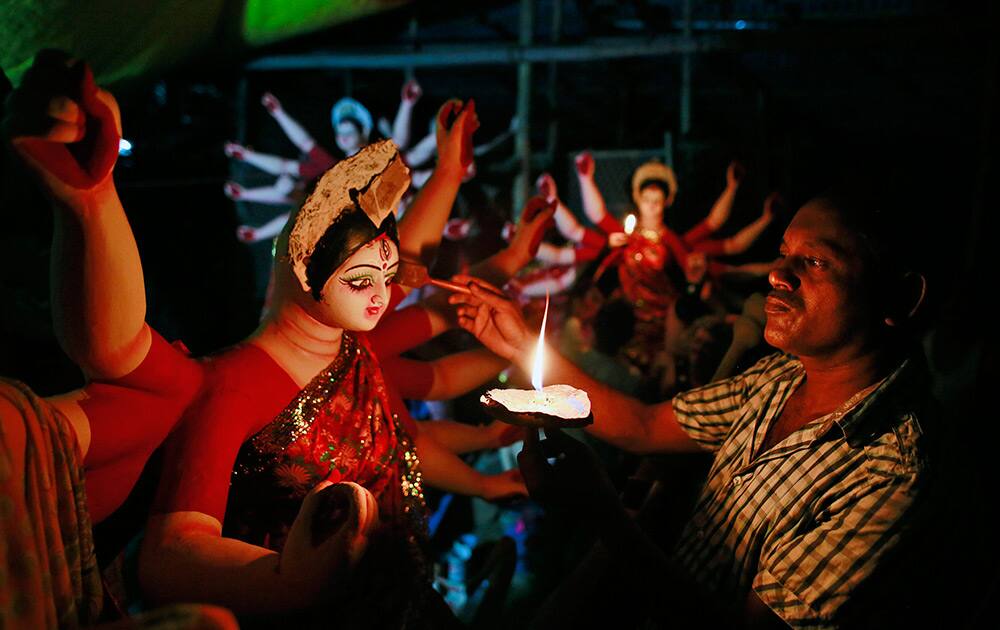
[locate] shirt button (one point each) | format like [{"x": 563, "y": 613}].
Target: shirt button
[{"x": 737, "y": 481}]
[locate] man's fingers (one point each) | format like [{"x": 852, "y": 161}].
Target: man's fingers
[
  {"x": 485, "y": 292},
  {"x": 531, "y": 461},
  {"x": 556, "y": 441},
  {"x": 462, "y": 298}
]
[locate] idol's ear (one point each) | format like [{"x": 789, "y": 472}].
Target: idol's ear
[{"x": 906, "y": 298}]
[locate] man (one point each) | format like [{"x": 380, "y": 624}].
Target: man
[{"x": 819, "y": 451}]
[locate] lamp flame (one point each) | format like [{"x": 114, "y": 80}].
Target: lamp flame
[
  {"x": 629, "y": 223},
  {"x": 537, "y": 365}
]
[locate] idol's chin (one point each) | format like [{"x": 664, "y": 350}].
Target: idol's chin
[{"x": 364, "y": 325}]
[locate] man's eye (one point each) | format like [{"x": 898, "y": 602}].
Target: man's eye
[{"x": 815, "y": 262}]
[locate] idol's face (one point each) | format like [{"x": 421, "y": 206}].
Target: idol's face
[
  {"x": 821, "y": 304},
  {"x": 357, "y": 293},
  {"x": 651, "y": 205},
  {"x": 348, "y": 138}
]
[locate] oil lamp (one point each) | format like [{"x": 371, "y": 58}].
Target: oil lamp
[
  {"x": 630, "y": 224},
  {"x": 544, "y": 406}
]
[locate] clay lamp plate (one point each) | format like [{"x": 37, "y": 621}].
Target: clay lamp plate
[{"x": 552, "y": 407}]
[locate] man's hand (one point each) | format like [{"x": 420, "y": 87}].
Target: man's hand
[
  {"x": 504, "y": 486},
  {"x": 330, "y": 532},
  {"x": 64, "y": 127},
  {"x": 455, "y": 125},
  {"x": 495, "y": 321},
  {"x": 503, "y": 434},
  {"x": 575, "y": 481}
]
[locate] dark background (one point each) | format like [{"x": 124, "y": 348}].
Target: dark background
[{"x": 806, "y": 91}]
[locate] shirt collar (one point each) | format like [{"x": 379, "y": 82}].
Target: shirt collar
[{"x": 865, "y": 414}]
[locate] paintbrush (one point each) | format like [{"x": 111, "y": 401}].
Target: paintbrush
[{"x": 414, "y": 275}]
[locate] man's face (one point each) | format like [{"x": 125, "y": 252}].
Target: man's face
[
  {"x": 357, "y": 293},
  {"x": 820, "y": 305}
]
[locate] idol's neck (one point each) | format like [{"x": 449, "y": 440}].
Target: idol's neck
[
  {"x": 297, "y": 341},
  {"x": 653, "y": 224}
]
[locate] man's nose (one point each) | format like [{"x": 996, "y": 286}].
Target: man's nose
[{"x": 782, "y": 277}]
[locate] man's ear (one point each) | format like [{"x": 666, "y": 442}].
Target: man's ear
[{"x": 907, "y": 298}]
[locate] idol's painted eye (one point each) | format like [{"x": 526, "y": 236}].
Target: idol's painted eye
[
  {"x": 390, "y": 279},
  {"x": 359, "y": 282}
]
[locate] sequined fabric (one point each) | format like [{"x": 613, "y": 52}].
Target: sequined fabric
[
  {"x": 643, "y": 277},
  {"x": 339, "y": 428}
]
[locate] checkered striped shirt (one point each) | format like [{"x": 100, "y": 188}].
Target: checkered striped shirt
[{"x": 804, "y": 523}]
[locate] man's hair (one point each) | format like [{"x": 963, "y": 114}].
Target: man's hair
[
  {"x": 878, "y": 223},
  {"x": 886, "y": 221}
]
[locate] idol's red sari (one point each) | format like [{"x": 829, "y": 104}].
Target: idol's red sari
[{"x": 340, "y": 427}]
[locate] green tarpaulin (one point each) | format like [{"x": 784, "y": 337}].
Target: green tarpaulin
[{"x": 124, "y": 39}]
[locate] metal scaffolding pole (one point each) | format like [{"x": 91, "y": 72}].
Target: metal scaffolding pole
[
  {"x": 812, "y": 38},
  {"x": 449, "y": 55},
  {"x": 408, "y": 72},
  {"x": 553, "y": 89},
  {"x": 522, "y": 144},
  {"x": 686, "y": 61}
]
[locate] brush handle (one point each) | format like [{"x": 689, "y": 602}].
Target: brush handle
[
  {"x": 461, "y": 288},
  {"x": 451, "y": 286}
]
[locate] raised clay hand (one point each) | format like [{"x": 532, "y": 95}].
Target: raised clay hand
[
  {"x": 772, "y": 205},
  {"x": 411, "y": 92},
  {"x": 270, "y": 103},
  {"x": 584, "y": 163},
  {"x": 234, "y": 150},
  {"x": 330, "y": 533},
  {"x": 456, "y": 123},
  {"x": 547, "y": 187},
  {"x": 64, "y": 127},
  {"x": 735, "y": 173},
  {"x": 537, "y": 218}
]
